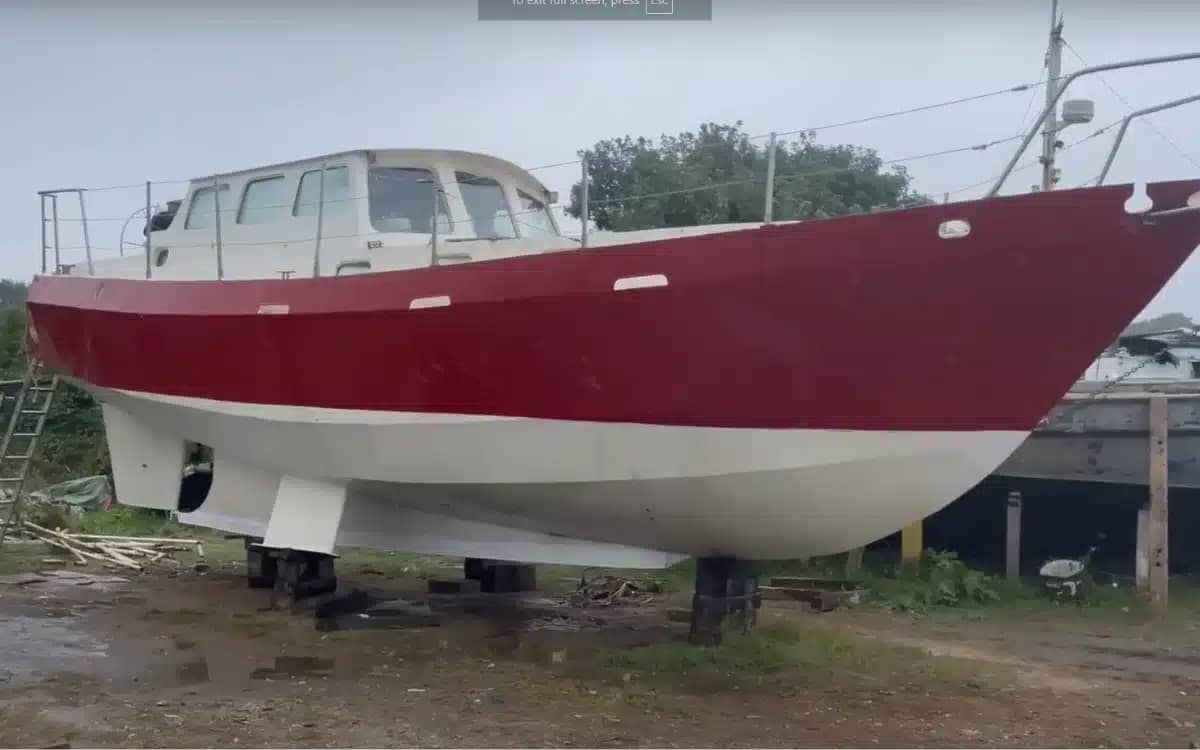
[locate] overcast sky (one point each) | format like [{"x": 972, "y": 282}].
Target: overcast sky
[{"x": 102, "y": 93}]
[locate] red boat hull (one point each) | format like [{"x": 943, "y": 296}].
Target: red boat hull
[{"x": 867, "y": 322}]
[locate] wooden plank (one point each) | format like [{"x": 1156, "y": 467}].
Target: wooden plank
[
  {"x": 1012, "y": 548},
  {"x": 821, "y": 600},
  {"x": 854, "y": 560},
  {"x": 1132, "y": 388},
  {"x": 678, "y": 614},
  {"x": 1157, "y": 521},
  {"x": 825, "y": 584},
  {"x": 137, "y": 539},
  {"x": 911, "y": 544}
]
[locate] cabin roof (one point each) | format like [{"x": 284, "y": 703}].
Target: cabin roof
[
  {"x": 1156, "y": 341},
  {"x": 500, "y": 165}
]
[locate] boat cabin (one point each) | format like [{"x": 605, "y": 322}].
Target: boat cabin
[
  {"x": 364, "y": 212},
  {"x": 373, "y": 211}
]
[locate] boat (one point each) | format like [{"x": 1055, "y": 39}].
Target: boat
[
  {"x": 1170, "y": 355},
  {"x": 1100, "y": 430},
  {"x": 368, "y": 370},
  {"x": 1103, "y": 436}
]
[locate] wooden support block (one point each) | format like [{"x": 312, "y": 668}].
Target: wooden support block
[
  {"x": 726, "y": 599},
  {"x": 1157, "y": 520},
  {"x": 678, "y": 614},
  {"x": 825, "y": 584},
  {"x": 1012, "y": 548},
  {"x": 455, "y": 586},
  {"x": 911, "y": 544},
  {"x": 854, "y": 561},
  {"x": 820, "y": 599}
]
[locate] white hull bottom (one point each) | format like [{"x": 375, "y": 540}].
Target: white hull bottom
[{"x": 536, "y": 490}]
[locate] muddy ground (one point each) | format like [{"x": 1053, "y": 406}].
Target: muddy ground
[{"x": 200, "y": 660}]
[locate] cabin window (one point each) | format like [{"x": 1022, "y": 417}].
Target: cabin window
[
  {"x": 201, "y": 211},
  {"x": 401, "y": 200},
  {"x": 337, "y": 192},
  {"x": 263, "y": 201},
  {"x": 485, "y": 204},
  {"x": 534, "y": 214}
]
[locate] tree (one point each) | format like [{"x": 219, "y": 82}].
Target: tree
[
  {"x": 13, "y": 294},
  {"x": 1161, "y": 323},
  {"x": 73, "y": 441},
  {"x": 718, "y": 175}
]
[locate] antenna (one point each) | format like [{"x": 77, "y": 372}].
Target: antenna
[
  {"x": 1053, "y": 70},
  {"x": 1074, "y": 111}
]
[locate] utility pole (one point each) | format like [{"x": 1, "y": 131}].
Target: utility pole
[{"x": 1053, "y": 70}]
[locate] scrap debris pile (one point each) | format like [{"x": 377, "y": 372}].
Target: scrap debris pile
[
  {"x": 131, "y": 552},
  {"x": 604, "y": 591}
]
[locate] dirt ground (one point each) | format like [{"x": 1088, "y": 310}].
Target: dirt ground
[{"x": 200, "y": 660}]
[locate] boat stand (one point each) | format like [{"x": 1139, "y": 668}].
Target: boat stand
[
  {"x": 726, "y": 599},
  {"x": 499, "y": 577},
  {"x": 294, "y": 574}
]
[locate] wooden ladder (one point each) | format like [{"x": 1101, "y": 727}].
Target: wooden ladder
[{"x": 25, "y": 426}]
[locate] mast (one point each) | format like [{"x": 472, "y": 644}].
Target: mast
[{"x": 1053, "y": 70}]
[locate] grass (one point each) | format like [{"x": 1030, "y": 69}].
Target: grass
[
  {"x": 940, "y": 581},
  {"x": 768, "y": 649},
  {"x": 945, "y": 591},
  {"x": 124, "y": 520},
  {"x": 358, "y": 561},
  {"x": 944, "y": 587},
  {"x": 1105, "y": 606},
  {"x": 21, "y": 557},
  {"x": 776, "y": 651}
]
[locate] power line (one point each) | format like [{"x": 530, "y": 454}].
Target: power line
[
  {"x": 1029, "y": 104},
  {"x": 140, "y": 185},
  {"x": 549, "y": 166},
  {"x": 1161, "y": 134},
  {"x": 886, "y": 115},
  {"x": 857, "y": 121},
  {"x": 798, "y": 175},
  {"x": 912, "y": 110},
  {"x": 1095, "y": 134},
  {"x": 827, "y": 126}
]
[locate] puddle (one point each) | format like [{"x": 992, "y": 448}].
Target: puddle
[
  {"x": 293, "y": 666},
  {"x": 61, "y": 582},
  {"x": 175, "y": 616},
  {"x": 185, "y": 640},
  {"x": 192, "y": 672},
  {"x": 37, "y": 646},
  {"x": 1175, "y": 656}
]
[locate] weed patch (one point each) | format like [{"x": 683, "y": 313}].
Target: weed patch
[
  {"x": 780, "y": 651},
  {"x": 941, "y": 580},
  {"x": 125, "y": 520}
]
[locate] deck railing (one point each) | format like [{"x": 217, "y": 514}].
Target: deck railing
[{"x": 51, "y": 217}]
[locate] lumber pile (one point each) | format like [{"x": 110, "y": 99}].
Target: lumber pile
[
  {"x": 604, "y": 591},
  {"x": 130, "y": 552},
  {"x": 822, "y": 594}
]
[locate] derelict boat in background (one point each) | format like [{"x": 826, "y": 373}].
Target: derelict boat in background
[{"x": 1099, "y": 431}]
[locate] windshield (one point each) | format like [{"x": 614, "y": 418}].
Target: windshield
[
  {"x": 401, "y": 200},
  {"x": 484, "y": 200},
  {"x": 534, "y": 215}
]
